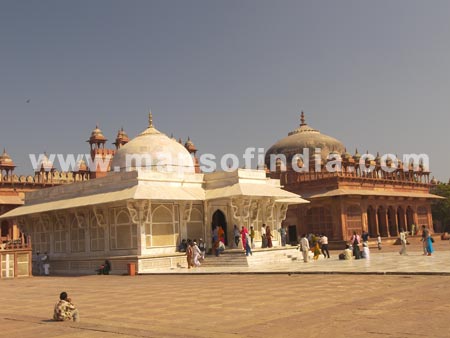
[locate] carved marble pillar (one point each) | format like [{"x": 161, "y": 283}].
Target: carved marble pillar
[{"x": 140, "y": 212}]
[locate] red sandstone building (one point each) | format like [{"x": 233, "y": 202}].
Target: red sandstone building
[{"x": 349, "y": 199}]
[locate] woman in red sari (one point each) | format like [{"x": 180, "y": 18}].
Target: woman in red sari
[
  {"x": 243, "y": 237},
  {"x": 269, "y": 237}
]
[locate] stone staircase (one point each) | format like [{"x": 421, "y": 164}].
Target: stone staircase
[{"x": 237, "y": 258}]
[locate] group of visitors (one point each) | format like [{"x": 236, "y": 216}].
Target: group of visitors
[
  {"x": 218, "y": 240},
  {"x": 352, "y": 249},
  {"x": 266, "y": 236},
  {"x": 42, "y": 264},
  {"x": 195, "y": 252},
  {"x": 317, "y": 244}
]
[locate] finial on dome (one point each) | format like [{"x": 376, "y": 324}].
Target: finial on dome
[
  {"x": 150, "y": 119},
  {"x": 302, "y": 119}
]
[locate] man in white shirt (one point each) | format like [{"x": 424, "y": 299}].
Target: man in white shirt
[
  {"x": 403, "y": 242},
  {"x": 324, "y": 246},
  {"x": 263, "y": 236},
  {"x": 304, "y": 247}
]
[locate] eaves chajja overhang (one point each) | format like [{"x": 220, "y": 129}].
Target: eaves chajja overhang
[
  {"x": 160, "y": 193},
  {"x": 129, "y": 186},
  {"x": 11, "y": 200},
  {"x": 351, "y": 192},
  {"x": 253, "y": 190}
]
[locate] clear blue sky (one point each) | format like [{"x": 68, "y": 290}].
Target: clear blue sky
[{"x": 229, "y": 74}]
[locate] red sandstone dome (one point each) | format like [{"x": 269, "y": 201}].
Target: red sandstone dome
[
  {"x": 6, "y": 161},
  {"x": 305, "y": 137},
  {"x": 97, "y": 135}
]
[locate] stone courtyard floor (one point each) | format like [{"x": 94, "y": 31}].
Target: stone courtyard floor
[{"x": 347, "y": 299}]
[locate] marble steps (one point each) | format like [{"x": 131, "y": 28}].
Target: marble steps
[{"x": 235, "y": 258}]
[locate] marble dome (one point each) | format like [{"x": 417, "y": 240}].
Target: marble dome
[
  {"x": 304, "y": 137},
  {"x": 153, "y": 150}
]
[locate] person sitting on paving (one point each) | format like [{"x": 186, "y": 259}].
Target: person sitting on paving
[
  {"x": 105, "y": 268},
  {"x": 65, "y": 310}
]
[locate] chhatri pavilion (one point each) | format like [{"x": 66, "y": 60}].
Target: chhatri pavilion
[{"x": 153, "y": 197}]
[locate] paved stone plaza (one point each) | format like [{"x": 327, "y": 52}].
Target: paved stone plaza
[{"x": 356, "y": 303}]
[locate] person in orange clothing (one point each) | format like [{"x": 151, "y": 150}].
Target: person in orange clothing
[{"x": 221, "y": 234}]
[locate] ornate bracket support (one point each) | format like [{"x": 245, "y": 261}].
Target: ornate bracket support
[
  {"x": 45, "y": 221},
  {"x": 268, "y": 207},
  {"x": 241, "y": 208},
  {"x": 140, "y": 211},
  {"x": 186, "y": 209},
  {"x": 24, "y": 225},
  {"x": 254, "y": 211},
  {"x": 60, "y": 219},
  {"x": 100, "y": 216},
  {"x": 81, "y": 216},
  {"x": 282, "y": 212}
]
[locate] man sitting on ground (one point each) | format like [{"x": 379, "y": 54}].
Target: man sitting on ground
[
  {"x": 347, "y": 254},
  {"x": 65, "y": 310}
]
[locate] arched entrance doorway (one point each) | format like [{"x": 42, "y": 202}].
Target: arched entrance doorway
[
  {"x": 392, "y": 221},
  {"x": 410, "y": 220},
  {"x": 381, "y": 213},
  {"x": 4, "y": 229},
  {"x": 372, "y": 220},
  {"x": 219, "y": 219},
  {"x": 401, "y": 218}
]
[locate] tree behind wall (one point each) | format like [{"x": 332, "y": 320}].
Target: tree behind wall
[{"x": 441, "y": 208}]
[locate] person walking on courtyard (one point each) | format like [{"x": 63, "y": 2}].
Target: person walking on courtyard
[
  {"x": 403, "y": 242},
  {"x": 379, "y": 242},
  {"x": 283, "y": 235},
  {"x": 244, "y": 233},
  {"x": 269, "y": 237},
  {"x": 236, "y": 234},
  {"x": 427, "y": 241},
  {"x": 425, "y": 234},
  {"x": 324, "y": 246},
  {"x": 304, "y": 248},
  {"x": 196, "y": 253},
  {"x": 39, "y": 264},
  {"x": 356, "y": 240},
  {"x": 316, "y": 250},
  {"x": 189, "y": 254},
  {"x": 46, "y": 263},
  {"x": 263, "y": 236},
  {"x": 202, "y": 247},
  {"x": 248, "y": 249},
  {"x": 65, "y": 310}
]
